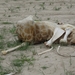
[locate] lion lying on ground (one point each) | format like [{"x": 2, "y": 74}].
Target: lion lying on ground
[
  {"x": 29, "y": 30},
  {"x": 35, "y": 32}
]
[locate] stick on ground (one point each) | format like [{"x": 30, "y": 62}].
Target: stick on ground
[
  {"x": 12, "y": 49},
  {"x": 45, "y": 51}
]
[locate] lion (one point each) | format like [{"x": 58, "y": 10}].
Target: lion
[
  {"x": 29, "y": 30},
  {"x": 46, "y": 32}
]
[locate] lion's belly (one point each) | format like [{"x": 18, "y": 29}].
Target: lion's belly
[
  {"x": 39, "y": 32},
  {"x": 34, "y": 33}
]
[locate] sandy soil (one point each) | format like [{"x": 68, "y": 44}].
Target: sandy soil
[{"x": 50, "y": 63}]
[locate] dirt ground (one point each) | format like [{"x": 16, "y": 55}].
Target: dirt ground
[{"x": 11, "y": 11}]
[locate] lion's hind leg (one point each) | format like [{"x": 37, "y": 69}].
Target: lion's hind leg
[{"x": 64, "y": 40}]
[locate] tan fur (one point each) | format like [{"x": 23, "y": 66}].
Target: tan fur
[
  {"x": 71, "y": 37},
  {"x": 40, "y": 31},
  {"x": 34, "y": 33}
]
